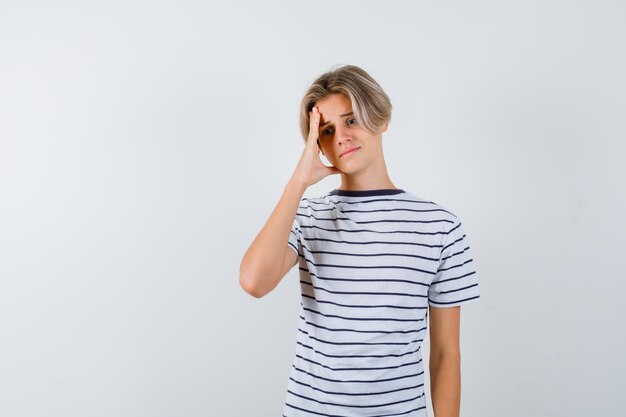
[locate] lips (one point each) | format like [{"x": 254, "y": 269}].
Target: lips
[{"x": 349, "y": 151}]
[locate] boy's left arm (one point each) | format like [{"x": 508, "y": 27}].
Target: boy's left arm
[{"x": 445, "y": 361}]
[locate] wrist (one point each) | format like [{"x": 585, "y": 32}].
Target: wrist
[{"x": 297, "y": 184}]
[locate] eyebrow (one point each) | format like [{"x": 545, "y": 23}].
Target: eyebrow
[{"x": 341, "y": 115}]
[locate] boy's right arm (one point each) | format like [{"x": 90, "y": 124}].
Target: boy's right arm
[{"x": 269, "y": 258}]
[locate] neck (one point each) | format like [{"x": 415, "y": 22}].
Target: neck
[
  {"x": 364, "y": 184},
  {"x": 375, "y": 178}
]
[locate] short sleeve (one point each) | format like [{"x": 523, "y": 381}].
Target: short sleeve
[
  {"x": 294, "y": 237},
  {"x": 455, "y": 282}
]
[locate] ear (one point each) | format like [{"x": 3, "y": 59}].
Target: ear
[{"x": 385, "y": 127}]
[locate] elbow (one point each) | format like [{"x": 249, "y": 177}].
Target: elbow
[
  {"x": 250, "y": 285},
  {"x": 255, "y": 280}
]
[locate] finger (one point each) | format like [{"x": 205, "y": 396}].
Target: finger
[
  {"x": 314, "y": 121},
  {"x": 313, "y": 124}
]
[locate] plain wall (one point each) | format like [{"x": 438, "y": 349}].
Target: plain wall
[{"x": 144, "y": 144}]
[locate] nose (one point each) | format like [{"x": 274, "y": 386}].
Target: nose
[{"x": 342, "y": 135}]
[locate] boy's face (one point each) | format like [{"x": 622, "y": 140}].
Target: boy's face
[{"x": 339, "y": 132}]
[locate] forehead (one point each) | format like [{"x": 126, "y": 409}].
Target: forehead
[{"x": 333, "y": 106}]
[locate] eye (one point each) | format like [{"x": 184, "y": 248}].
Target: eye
[{"x": 329, "y": 130}]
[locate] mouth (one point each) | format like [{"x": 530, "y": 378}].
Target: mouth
[{"x": 350, "y": 151}]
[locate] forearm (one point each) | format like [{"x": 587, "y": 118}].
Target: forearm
[
  {"x": 445, "y": 384},
  {"x": 260, "y": 267}
]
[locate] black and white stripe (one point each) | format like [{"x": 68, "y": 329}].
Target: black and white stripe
[{"x": 370, "y": 264}]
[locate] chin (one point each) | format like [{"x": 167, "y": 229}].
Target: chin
[
  {"x": 341, "y": 169},
  {"x": 350, "y": 166},
  {"x": 351, "y": 169}
]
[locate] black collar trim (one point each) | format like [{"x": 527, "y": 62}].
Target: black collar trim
[{"x": 366, "y": 193}]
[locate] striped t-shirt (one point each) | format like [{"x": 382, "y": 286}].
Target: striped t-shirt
[{"x": 370, "y": 263}]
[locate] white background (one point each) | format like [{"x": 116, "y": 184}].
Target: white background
[{"x": 144, "y": 144}]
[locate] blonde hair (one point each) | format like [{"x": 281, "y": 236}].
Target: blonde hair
[{"x": 371, "y": 106}]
